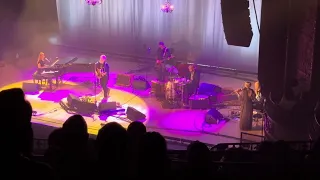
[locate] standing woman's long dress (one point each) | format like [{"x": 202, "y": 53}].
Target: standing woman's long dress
[{"x": 246, "y": 109}]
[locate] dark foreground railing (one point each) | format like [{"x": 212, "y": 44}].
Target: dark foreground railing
[{"x": 251, "y": 138}]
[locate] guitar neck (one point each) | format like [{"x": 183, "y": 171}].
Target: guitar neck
[{"x": 165, "y": 59}]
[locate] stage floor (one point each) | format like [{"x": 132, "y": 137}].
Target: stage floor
[{"x": 178, "y": 123}]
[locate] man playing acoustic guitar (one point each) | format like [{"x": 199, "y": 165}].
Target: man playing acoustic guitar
[
  {"x": 164, "y": 58},
  {"x": 102, "y": 73}
]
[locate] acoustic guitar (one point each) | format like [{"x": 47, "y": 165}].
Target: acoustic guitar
[{"x": 100, "y": 73}]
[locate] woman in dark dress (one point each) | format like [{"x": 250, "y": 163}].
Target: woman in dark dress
[
  {"x": 40, "y": 62},
  {"x": 246, "y": 96}
]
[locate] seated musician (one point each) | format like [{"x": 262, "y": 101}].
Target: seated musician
[
  {"x": 164, "y": 58},
  {"x": 193, "y": 80},
  {"x": 41, "y": 62},
  {"x": 102, "y": 73},
  {"x": 259, "y": 100}
]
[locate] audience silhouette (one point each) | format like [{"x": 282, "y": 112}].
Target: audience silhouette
[
  {"x": 17, "y": 138},
  {"x": 134, "y": 153}
]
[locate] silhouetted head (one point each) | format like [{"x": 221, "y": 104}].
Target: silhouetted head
[
  {"x": 55, "y": 138},
  {"x": 75, "y": 124},
  {"x": 111, "y": 141},
  {"x": 16, "y": 134},
  {"x": 136, "y": 129},
  {"x": 153, "y": 147},
  {"x": 198, "y": 155},
  {"x": 76, "y": 130}
]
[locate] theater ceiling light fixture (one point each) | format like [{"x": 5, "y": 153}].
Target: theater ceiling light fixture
[
  {"x": 93, "y": 2},
  {"x": 167, "y": 7}
]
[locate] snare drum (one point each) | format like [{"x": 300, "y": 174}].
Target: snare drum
[{"x": 171, "y": 69}]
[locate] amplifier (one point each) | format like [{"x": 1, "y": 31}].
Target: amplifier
[
  {"x": 124, "y": 80},
  {"x": 75, "y": 104},
  {"x": 158, "y": 89},
  {"x": 140, "y": 83},
  {"x": 199, "y": 102}
]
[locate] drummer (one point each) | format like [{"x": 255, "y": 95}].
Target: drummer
[{"x": 193, "y": 80}]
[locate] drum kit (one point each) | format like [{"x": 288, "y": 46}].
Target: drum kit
[{"x": 174, "y": 89}]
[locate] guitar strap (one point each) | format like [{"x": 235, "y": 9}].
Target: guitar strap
[{"x": 164, "y": 52}]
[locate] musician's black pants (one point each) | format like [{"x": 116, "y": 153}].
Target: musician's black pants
[
  {"x": 161, "y": 73},
  {"x": 191, "y": 89},
  {"x": 104, "y": 85}
]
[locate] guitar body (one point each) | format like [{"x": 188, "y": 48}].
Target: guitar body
[
  {"x": 160, "y": 63},
  {"x": 100, "y": 73}
]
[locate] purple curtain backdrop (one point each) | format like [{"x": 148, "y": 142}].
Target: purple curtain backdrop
[{"x": 194, "y": 30}]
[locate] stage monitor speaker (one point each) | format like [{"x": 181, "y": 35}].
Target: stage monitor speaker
[
  {"x": 75, "y": 104},
  {"x": 134, "y": 115},
  {"x": 104, "y": 107},
  {"x": 30, "y": 88},
  {"x": 236, "y": 22},
  {"x": 213, "y": 116},
  {"x": 124, "y": 80},
  {"x": 72, "y": 100}
]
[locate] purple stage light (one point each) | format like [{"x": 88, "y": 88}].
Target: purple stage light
[
  {"x": 93, "y": 2},
  {"x": 167, "y": 7}
]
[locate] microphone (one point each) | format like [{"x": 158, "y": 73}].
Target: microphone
[{"x": 47, "y": 59}]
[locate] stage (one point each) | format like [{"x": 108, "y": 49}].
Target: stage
[{"x": 178, "y": 123}]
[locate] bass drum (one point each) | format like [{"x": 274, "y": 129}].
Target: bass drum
[
  {"x": 183, "y": 69},
  {"x": 170, "y": 91}
]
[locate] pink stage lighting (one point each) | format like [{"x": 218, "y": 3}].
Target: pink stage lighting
[
  {"x": 167, "y": 7},
  {"x": 93, "y": 2}
]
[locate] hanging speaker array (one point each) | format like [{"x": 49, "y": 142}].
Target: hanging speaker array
[{"x": 236, "y": 22}]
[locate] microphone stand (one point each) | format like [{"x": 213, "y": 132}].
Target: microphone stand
[
  {"x": 95, "y": 88},
  {"x": 95, "y": 83}
]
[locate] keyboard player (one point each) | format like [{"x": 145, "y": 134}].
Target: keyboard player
[{"x": 41, "y": 62}]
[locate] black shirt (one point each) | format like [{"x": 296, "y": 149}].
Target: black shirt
[
  {"x": 164, "y": 54},
  {"x": 42, "y": 64},
  {"x": 104, "y": 66}
]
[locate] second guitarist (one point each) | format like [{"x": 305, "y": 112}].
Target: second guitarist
[
  {"x": 102, "y": 73},
  {"x": 164, "y": 57}
]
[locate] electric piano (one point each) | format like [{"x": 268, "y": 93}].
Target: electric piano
[{"x": 55, "y": 71}]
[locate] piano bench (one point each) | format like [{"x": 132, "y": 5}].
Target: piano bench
[{"x": 38, "y": 78}]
